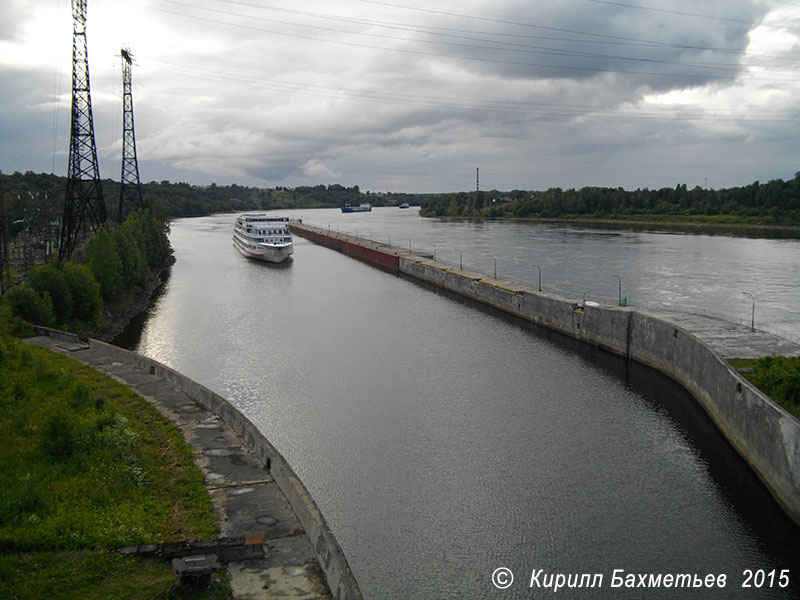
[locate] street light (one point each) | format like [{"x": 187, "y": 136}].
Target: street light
[
  {"x": 495, "y": 267},
  {"x": 540, "y": 276},
  {"x": 620, "y": 288},
  {"x": 460, "y": 259},
  {"x": 753, "y": 314},
  {"x": 583, "y": 302}
]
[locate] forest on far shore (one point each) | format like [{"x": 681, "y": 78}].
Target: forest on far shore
[{"x": 776, "y": 202}]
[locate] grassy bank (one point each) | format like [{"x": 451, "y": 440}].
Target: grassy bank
[
  {"x": 711, "y": 221},
  {"x": 777, "y": 376},
  {"x": 87, "y": 466}
]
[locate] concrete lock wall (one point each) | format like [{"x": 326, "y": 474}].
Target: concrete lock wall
[
  {"x": 340, "y": 579},
  {"x": 761, "y": 431}
]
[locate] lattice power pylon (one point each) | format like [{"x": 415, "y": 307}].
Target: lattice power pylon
[
  {"x": 130, "y": 189},
  {"x": 84, "y": 202}
]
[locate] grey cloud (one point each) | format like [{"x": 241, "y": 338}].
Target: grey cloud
[
  {"x": 577, "y": 40},
  {"x": 15, "y": 12}
]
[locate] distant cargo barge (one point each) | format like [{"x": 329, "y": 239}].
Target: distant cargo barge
[{"x": 360, "y": 208}]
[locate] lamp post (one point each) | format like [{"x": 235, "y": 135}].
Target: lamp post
[
  {"x": 620, "y": 289},
  {"x": 538, "y": 268},
  {"x": 409, "y": 245},
  {"x": 434, "y": 253},
  {"x": 495, "y": 267},
  {"x": 753, "y": 313},
  {"x": 583, "y": 302},
  {"x": 460, "y": 258}
]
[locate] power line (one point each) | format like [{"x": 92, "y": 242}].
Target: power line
[
  {"x": 623, "y": 41},
  {"x": 458, "y": 34},
  {"x": 498, "y": 106},
  {"x": 700, "y": 76},
  {"x": 684, "y": 13},
  {"x": 523, "y": 24}
]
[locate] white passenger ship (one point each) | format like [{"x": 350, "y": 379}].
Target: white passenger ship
[{"x": 263, "y": 237}]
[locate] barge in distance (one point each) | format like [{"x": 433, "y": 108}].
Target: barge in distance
[
  {"x": 363, "y": 207},
  {"x": 263, "y": 237}
]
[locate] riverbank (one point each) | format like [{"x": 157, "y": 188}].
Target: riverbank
[
  {"x": 87, "y": 466},
  {"x": 256, "y": 494},
  {"x": 691, "y": 349},
  {"x": 670, "y": 223},
  {"x": 119, "y": 315}
]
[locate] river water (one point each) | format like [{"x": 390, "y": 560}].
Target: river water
[{"x": 442, "y": 441}]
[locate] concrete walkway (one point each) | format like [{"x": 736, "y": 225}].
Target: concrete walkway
[
  {"x": 730, "y": 340},
  {"x": 246, "y": 499}
]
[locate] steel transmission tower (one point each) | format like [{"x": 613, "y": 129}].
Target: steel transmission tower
[
  {"x": 84, "y": 198},
  {"x": 130, "y": 189}
]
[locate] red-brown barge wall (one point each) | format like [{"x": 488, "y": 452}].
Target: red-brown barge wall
[{"x": 382, "y": 259}]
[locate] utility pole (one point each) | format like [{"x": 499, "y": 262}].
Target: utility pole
[
  {"x": 5, "y": 260},
  {"x": 84, "y": 197},
  {"x": 130, "y": 188}
]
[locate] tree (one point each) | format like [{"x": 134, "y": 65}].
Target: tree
[
  {"x": 87, "y": 305},
  {"x": 105, "y": 264},
  {"x": 50, "y": 279},
  {"x": 134, "y": 264}
]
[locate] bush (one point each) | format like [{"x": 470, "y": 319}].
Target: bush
[
  {"x": 26, "y": 303},
  {"x": 59, "y": 439},
  {"x": 779, "y": 377}
]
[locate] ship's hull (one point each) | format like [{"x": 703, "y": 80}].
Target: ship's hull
[
  {"x": 271, "y": 254},
  {"x": 354, "y": 209}
]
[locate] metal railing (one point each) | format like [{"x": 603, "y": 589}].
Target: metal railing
[{"x": 440, "y": 254}]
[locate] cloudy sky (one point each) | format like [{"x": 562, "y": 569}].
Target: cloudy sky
[{"x": 413, "y": 95}]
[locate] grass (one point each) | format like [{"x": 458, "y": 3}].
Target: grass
[
  {"x": 87, "y": 466},
  {"x": 777, "y": 376},
  {"x": 94, "y": 575}
]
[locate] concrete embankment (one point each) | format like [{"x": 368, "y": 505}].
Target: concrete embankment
[
  {"x": 691, "y": 349},
  {"x": 255, "y": 492}
]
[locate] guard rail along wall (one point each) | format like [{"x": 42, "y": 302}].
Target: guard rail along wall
[
  {"x": 763, "y": 433},
  {"x": 340, "y": 579}
]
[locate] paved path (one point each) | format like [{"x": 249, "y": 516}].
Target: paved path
[
  {"x": 246, "y": 499},
  {"x": 729, "y": 339}
]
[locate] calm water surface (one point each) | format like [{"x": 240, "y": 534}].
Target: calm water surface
[
  {"x": 699, "y": 273},
  {"x": 442, "y": 441}
]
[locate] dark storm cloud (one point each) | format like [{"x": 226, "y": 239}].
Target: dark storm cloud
[{"x": 580, "y": 39}]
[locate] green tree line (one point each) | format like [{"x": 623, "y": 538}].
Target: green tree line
[
  {"x": 73, "y": 294},
  {"x": 29, "y": 193},
  {"x": 776, "y": 202}
]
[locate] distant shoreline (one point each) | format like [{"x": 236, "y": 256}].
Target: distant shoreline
[{"x": 683, "y": 226}]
